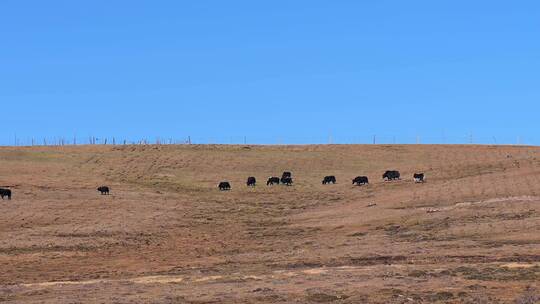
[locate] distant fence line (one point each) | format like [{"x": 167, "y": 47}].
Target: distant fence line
[
  {"x": 93, "y": 140},
  {"x": 276, "y": 140}
]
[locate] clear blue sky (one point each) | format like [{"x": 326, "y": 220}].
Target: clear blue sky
[{"x": 273, "y": 71}]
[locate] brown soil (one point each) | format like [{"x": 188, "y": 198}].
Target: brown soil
[{"x": 470, "y": 234}]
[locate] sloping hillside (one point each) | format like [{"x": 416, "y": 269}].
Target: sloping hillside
[{"x": 470, "y": 234}]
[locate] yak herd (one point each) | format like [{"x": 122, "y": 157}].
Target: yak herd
[{"x": 286, "y": 179}]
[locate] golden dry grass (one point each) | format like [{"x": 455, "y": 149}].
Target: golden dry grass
[{"x": 470, "y": 234}]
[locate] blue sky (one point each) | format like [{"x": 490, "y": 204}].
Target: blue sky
[{"x": 271, "y": 71}]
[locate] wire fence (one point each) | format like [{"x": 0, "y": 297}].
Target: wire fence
[{"x": 270, "y": 140}]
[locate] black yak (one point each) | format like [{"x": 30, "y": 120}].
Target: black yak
[
  {"x": 224, "y": 186},
  {"x": 103, "y": 190},
  {"x": 329, "y": 179},
  {"x": 360, "y": 180},
  {"x": 287, "y": 181},
  {"x": 272, "y": 180},
  {"x": 391, "y": 175},
  {"x": 5, "y": 192},
  {"x": 251, "y": 181}
]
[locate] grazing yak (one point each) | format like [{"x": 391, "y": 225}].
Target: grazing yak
[
  {"x": 103, "y": 190},
  {"x": 418, "y": 177},
  {"x": 251, "y": 181},
  {"x": 360, "y": 180},
  {"x": 285, "y": 176},
  {"x": 224, "y": 186},
  {"x": 5, "y": 192},
  {"x": 287, "y": 181},
  {"x": 272, "y": 180},
  {"x": 329, "y": 179},
  {"x": 391, "y": 175}
]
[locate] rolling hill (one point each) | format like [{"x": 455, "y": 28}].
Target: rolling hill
[{"x": 470, "y": 234}]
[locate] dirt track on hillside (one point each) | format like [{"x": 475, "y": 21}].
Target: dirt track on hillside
[{"x": 470, "y": 234}]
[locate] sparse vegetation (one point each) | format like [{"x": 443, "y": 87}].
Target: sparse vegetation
[
  {"x": 167, "y": 234},
  {"x": 529, "y": 296}
]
